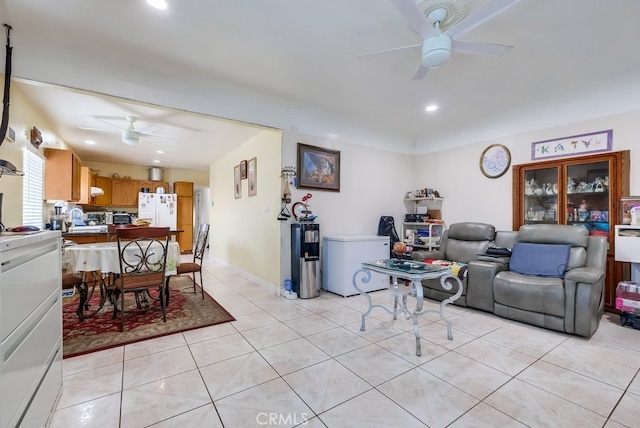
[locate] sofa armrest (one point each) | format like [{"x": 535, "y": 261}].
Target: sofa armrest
[
  {"x": 586, "y": 275},
  {"x": 431, "y": 255},
  {"x": 480, "y": 276},
  {"x": 503, "y": 260}
]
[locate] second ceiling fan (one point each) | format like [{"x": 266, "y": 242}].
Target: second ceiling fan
[
  {"x": 131, "y": 135},
  {"x": 440, "y": 23}
]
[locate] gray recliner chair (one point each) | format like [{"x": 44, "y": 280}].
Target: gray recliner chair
[
  {"x": 461, "y": 243},
  {"x": 572, "y": 301}
]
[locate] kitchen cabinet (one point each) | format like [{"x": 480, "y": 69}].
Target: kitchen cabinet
[
  {"x": 62, "y": 175},
  {"x": 184, "y": 192},
  {"x": 582, "y": 191},
  {"x": 154, "y": 185},
  {"x": 86, "y": 181},
  {"x": 105, "y": 184},
  {"x": 124, "y": 192}
]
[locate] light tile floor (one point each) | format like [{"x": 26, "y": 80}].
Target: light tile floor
[{"x": 306, "y": 362}]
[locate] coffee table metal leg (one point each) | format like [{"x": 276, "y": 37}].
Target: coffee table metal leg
[
  {"x": 365, "y": 277},
  {"x": 447, "y": 286}
]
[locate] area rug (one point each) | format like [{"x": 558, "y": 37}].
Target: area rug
[{"x": 186, "y": 311}]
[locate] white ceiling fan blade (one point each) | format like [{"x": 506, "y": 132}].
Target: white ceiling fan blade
[
  {"x": 415, "y": 17},
  {"x": 149, "y": 129},
  {"x": 109, "y": 123},
  {"x": 421, "y": 73},
  {"x": 86, "y": 128},
  {"x": 171, "y": 140},
  {"x": 480, "y": 48},
  {"x": 386, "y": 52},
  {"x": 483, "y": 15}
]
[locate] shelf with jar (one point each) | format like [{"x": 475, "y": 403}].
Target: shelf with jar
[{"x": 423, "y": 225}]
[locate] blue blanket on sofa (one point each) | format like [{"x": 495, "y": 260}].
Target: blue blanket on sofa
[{"x": 548, "y": 260}]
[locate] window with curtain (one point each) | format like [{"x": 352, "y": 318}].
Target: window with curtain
[{"x": 32, "y": 189}]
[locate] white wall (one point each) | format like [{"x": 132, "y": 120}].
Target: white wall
[
  {"x": 244, "y": 232},
  {"x": 22, "y": 117},
  {"x": 373, "y": 184},
  {"x": 470, "y": 196}
]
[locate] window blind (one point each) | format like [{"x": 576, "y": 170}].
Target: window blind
[{"x": 32, "y": 189}]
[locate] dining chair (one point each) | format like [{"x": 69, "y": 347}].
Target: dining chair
[
  {"x": 143, "y": 256},
  {"x": 198, "y": 254},
  {"x": 71, "y": 281}
]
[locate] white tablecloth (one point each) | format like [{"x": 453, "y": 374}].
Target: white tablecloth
[{"x": 103, "y": 256}]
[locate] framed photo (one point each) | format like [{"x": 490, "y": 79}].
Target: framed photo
[
  {"x": 252, "y": 175},
  {"x": 318, "y": 168},
  {"x": 243, "y": 169},
  {"x": 626, "y": 203},
  {"x": 495, "y": 160},
  {"x": 237, "y": 182}
]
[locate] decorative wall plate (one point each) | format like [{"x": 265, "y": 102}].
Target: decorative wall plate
[{"x": 495, "y": 160}]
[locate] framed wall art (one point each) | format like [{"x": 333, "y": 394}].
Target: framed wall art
[
  {"x": 237, "y": 182},
  {"x": 627, "y": 203},
  {"x": 243, "y": 169},
  {"x": 495, "y": 160},
  {"x": 252, "y": 176},
  {"x": 574, "y": 145},
  {"x": 318, "y": 168}
]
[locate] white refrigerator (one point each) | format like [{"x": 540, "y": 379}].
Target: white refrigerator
[
  {"x": 159, "y": 208},
  {"x": 342, "y": 257}
]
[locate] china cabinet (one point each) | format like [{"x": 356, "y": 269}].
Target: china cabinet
[
  {"x": 582, "y": 191},
  {"x": 426, "y": 232}
]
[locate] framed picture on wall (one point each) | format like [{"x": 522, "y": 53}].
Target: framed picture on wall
[
  {"x": 318, "y": 168},
  {"x": 237, "y": 182},
  {"x": 252, "y": 176},
  {"x": 243, "y": 169}
]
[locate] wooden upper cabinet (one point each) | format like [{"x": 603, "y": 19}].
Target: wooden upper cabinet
[
  {"x": 124, "y": 193},
  {"x": 87, "y": 180},
  {"x": 183, "y": 188},
  {"x": 62, "y": 175},
  {"x": 154, "y": 185},
  {"x": 105, "y": 184}
]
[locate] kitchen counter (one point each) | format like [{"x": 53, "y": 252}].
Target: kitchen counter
[{"x": 93, "y": 237}]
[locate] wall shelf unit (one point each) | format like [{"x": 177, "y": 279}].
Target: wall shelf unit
[{"x": 425, "y": 234}]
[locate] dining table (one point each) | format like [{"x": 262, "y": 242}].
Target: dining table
[{"x": 99, "y": 261}]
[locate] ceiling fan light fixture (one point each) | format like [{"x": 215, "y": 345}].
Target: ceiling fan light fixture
[
  {"x": 436, "y": 51},
  {"x": 131, "y": 138}
]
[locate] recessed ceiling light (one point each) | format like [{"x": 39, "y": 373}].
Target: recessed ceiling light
[
  {"x": 158, "y": 4},
  {"x": 89, "y": 142},
  {"x": 431, "y": 108},
  {"x": 156, "y": 161},
  {"x": 159, "y": 151}
]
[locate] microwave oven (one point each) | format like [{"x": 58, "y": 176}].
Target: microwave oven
[{"x": 121, "y": 218}]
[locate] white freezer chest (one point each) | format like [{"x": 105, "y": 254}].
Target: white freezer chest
[{"x": 342, "y": 257}]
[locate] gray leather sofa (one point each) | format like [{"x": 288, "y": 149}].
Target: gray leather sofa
[
  {"x": 571, "y": 301},
  {"x": 461, "y": 243}
]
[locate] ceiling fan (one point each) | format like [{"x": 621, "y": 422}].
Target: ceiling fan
[
  {"x": 132, "y": 136},
  {"x": 440, "y": 23}
]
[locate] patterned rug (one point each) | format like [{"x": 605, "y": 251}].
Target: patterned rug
[{"x": 186, "y": 311}]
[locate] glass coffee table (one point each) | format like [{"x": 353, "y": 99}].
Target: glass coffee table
[{"x": 415, "y": 272}]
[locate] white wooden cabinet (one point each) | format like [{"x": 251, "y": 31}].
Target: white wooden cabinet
[{"x": 30, "y": 328}]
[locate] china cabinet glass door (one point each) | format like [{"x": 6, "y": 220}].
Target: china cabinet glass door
[
  {"x": 541, "y": 196},
  {"x": 588, "y": 199}
]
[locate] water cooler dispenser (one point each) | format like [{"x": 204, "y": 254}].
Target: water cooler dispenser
[{"x": 305, "y": 259}]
